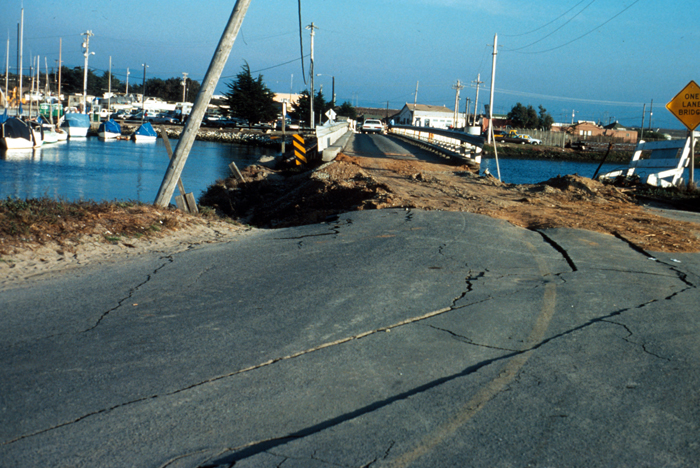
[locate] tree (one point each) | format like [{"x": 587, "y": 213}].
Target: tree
[
  {"x": 523, "y": 117},
  {"x": 546, "y": 120},
  {"x": 250, "y": 98},
  {"x": 347, "y": 110},
  {"x": 302, "y": 108}
]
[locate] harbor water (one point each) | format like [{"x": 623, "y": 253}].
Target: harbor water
[{"x": 92, "y": 169}]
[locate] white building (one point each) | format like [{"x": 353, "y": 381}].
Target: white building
[{"x": 422, "y": 115}]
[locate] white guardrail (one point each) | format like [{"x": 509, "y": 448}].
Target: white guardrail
[
  {"x": 451, "y": 143},
  {"x": 327, "y": 135}
]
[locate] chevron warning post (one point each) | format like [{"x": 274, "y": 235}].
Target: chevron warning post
[{"x": 299, "y": 150}]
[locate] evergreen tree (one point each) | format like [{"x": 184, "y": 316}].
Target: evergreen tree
[
  {"x": 250, "y": 98},
  {"x": 302, "y": 108},
  {"x": 347, "y": 110},
  {"x": 546, "y": 120}
]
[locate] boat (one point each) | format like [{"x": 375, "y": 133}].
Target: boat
[
  {"x": 109, "y": 130},
  {"x": 49, "y": 132},
  {"x": 145, "y": 133},
  {"x": 76, "y": 125},
  {"x": 17, "y": 134}
]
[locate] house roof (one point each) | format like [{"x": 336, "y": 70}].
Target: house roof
[
  {"x": 428, "y": 108},
  {"x": 614, "y": 126}
]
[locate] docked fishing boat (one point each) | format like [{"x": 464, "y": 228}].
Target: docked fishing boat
[
  {"x": 145, "y": 133},
  {"x": 16, "y": 134},
  {"x": 48, "y": 131},
  {"x": 76, "y": 125},
  {"x": 109, "y": 130}
]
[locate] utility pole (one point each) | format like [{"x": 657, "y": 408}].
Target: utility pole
[
  {"x": 476, "y": 102},
  {"x": 313, "y": 33},
  {"x": 184, "y": 145},
  {"x": 184, "y": 86},
  {"x": 458, "y": 87},
  {"x": 493, "y": 81},
  {"x": 86, "y": 46},
  {"x": 415, "y": 102},
  {"x": 466, "y": 112},
  {"x": 127, "y": 82}
]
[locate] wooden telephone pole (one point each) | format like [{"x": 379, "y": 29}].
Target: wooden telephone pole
[{"x": 218, "y": 62}]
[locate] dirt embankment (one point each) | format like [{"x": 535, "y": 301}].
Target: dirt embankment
[{"x": 272, "y": 198}]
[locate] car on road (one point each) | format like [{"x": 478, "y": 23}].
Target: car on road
[{"x": 372, "y": 126}]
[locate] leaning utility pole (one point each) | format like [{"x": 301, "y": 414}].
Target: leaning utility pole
[
  {"x": 184, "y": 145},
  {"x": 476, "y": 102},
  {"x": 458, "y": 87},
  {"x": 313, "y": 119}
]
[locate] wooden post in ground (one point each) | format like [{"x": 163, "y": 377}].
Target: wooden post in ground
[
  {"x": 177, "y": 163},
  {"x": 184, "y": 201}
]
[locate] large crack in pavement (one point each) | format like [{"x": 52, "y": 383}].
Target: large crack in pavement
[{"x": 256, "y": 447}]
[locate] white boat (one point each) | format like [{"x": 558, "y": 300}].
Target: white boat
[
  {"x": 109, "y": 130},
  {"x": 145, "y": 133},
  {"x": 76, "y": 125},
  {"x": 49, "y": 132},
  {"x": 17, "y": 134}
]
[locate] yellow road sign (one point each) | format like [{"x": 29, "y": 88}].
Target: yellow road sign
[{"x": 686, "y": 106}]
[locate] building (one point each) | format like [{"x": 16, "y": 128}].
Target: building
[
  {"x": 422, "y": 115},
  {"x": 585, "y": 130}
]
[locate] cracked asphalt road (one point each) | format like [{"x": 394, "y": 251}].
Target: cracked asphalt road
[{"x": 389, "y": 338}]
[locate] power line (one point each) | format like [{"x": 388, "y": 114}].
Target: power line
[
  {"x": 560, "y": 27},
  {"x": 546, "y": 24},
  {"x": 585, "y": 34}
]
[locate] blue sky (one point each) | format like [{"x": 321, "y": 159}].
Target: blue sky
[{"x": 598, "y": 59}]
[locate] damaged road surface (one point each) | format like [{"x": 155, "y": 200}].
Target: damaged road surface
[{"x": 384, "y": 338}]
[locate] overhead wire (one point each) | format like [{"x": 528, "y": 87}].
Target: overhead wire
[
  {"x": 557, "y": 29},
  {"x": 301, "y": 43},
  {"x": 587, "y": 33},
  {"x": 546, "y": 24}
]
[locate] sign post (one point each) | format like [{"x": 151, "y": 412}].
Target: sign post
[{"x": 686, "y": 107}]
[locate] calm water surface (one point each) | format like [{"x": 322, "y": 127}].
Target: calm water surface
[{"x": 91, "y": 169}]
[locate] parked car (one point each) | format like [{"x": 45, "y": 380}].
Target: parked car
[
  {"x": 164, "y": 118},
  {"x": 372, "y": 126},
  {"x": 119, "y": 115},
  {"x": 529, "y": 139}
]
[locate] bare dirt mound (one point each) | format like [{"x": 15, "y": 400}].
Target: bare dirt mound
[{"x": 271, "y": 198}]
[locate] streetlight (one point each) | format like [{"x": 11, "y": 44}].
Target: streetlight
[{"x": 332, "y": 90}]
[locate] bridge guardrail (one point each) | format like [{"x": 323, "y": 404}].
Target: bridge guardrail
[{"x": 454, "y": 144}]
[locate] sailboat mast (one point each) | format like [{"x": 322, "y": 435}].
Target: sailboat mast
[{"x": 21, "y": 52}]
